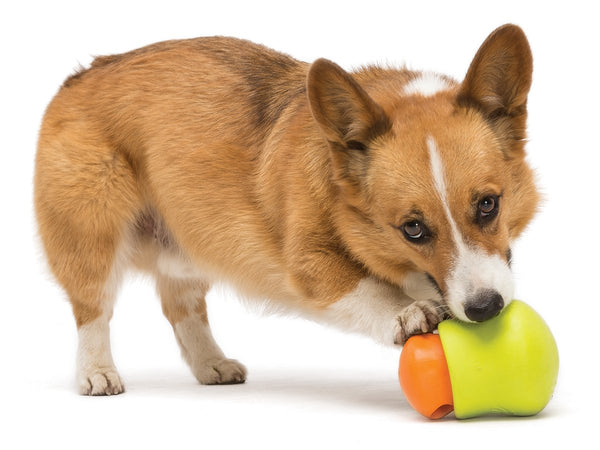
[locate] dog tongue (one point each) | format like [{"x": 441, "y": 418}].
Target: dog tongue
[{"x": 424, "y": 376}]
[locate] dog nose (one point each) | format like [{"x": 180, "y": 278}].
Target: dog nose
[{"x": 484, "y": 305}]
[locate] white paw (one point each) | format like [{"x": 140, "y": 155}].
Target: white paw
[
  {"x": 220, "y": 371},
  {"x": 420, "y": 317},
  {"x": 100, "y": 381}
]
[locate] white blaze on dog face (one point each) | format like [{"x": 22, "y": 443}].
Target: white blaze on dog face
[{"x": 473, "y": 269}]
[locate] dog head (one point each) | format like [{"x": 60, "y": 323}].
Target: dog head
[{"x": 431, "y": 174}]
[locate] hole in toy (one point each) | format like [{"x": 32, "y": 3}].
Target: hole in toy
[{"x": 442, "y": 411}]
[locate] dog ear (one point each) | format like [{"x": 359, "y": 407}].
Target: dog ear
[
  {"x": 348, "y": 117},
  {"x": 342, "y": 108},
  {"x": 499, "y": 79}
]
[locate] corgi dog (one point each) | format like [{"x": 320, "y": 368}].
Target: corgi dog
[{"x": 379, "y": 201}]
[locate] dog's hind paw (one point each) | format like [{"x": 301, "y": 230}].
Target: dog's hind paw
[
  {"x": 221, "y": 371},
  {"x": 420, "y": 317}
]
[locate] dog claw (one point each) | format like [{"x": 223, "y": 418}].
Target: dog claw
[{"x": 420, "y": 317}]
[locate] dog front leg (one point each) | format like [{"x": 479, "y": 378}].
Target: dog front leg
[{"x": 384, "y": 312}]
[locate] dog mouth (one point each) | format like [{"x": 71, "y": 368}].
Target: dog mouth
[
  {"x": 435, "y": 284},
  {"x": 478, "y": 286},
  {"x": 478, "y": 306}
]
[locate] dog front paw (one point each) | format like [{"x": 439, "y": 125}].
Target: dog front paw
[
  {"x": 100, "y": 381},
  {"x": 420, "y": 317}
]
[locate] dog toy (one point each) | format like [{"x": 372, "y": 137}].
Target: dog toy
[{"x": 505, "y": 365}]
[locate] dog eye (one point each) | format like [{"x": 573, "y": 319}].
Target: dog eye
[
  {"x": 487, "y": 209},
  {"x": 487, "y": 205},
  {"x": 415, "y": 231}
]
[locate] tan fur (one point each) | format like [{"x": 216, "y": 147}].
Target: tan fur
[
  {"x": 181, "y": 298},
  {"x": 287, "y": 180}
]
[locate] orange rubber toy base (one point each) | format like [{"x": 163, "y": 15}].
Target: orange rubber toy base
[{"x": 424, "y": 376}]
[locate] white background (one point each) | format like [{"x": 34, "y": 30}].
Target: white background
[{"x": 308, "y": 387}]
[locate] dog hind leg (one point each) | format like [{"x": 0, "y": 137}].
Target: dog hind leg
[
  {"x": 86, "y": 197},
  {"x": 184, "y": 305}
]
